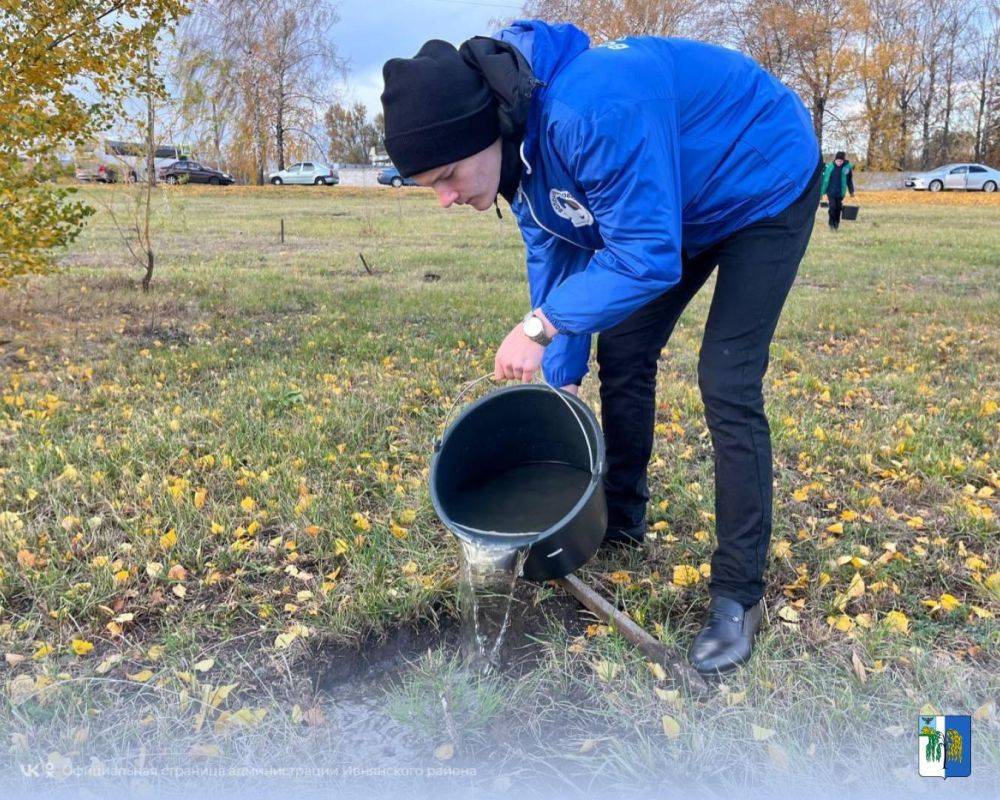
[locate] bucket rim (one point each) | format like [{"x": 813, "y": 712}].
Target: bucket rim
[{"x": 528, "y": 538}]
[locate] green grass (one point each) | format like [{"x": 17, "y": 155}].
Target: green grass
[{"x": 260, "y": 425}]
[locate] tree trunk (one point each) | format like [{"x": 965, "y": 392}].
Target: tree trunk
[
  {"x": 279, "y": 125},
  {"x": 928, "y": 101},
  {"x": 146, "y": 242},
  {"x": 980, "y": 114},
  {"x": 148, "y": 277},
  {"x": 818, "y": 110}
]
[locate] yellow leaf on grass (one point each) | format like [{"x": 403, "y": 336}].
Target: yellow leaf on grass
[
  {"x": 670, "y": 696},
  {"x": 859, "y": 667},
  {"x": 199, "y": 498},
  {"x": 685, "y": 575},
  {"x": 671, "y": 727},
  {"x": 407, "y": 517},
  {"x": 606, "y": 670},
  {"x": 177, "y": 573},
  {"x": 42, "y": 652},
  {"x": 735, "y": 698},
  {"x": 248, "y": 504},
  {"x": 397, "y": 531},
  {"x": 219, "y": 695},
  {"x": 106, "y": 665},
  {"x": 81, "y": 647},
  {"x": 836, "y": 527},
  {"x": 848, "y": 516},
  {"x": 204, "y": 665},
  {"x": 444, "y": 752},
  {"x": 168, "y": 540},
  {"x": 897, "y": 621},
  {"x": 782, "y": 549},
  {"x": 361, "y": 521},
  {"x": 141, "y": 676},
  {"x": 760, "y": 734},
  {"x": 788, "y": 614},
  {"x": 340, "y": 546},
  {"x": 949, "y": 602},
  {"x": 841, "y": 622}
]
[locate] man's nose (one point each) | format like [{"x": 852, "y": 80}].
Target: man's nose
[{"x": 446, "y": 197}]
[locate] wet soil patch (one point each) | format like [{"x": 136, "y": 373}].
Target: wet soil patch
[{"x": 537, "y": 611}]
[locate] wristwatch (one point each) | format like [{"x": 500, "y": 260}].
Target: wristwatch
[{"x": 534, "y": 329}]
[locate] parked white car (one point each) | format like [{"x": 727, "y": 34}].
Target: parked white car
[
  {"x": 967, "y": 177},
  {"x": 310, "y": 172}
]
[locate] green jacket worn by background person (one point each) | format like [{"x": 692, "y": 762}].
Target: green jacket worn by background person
[{"x": 844, "y": 172}]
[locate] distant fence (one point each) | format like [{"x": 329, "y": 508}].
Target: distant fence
[
  {"x": 362, "y": 175},
  {"x": 879, "y": 181},
  {"x": 358, "y": 175}
]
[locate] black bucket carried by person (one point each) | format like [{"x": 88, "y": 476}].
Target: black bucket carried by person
[
  {"x": 849, "y": 212},
  {"x": 523, "y": 467}
]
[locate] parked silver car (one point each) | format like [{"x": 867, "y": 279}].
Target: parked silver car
[
  {"x": 968, "y": 177},
  {"x": 311, "y": 172}
]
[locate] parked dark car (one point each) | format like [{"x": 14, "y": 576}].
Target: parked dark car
[
  {"x": 193, "y": 172},
  {"x": 390, "y": 177}
]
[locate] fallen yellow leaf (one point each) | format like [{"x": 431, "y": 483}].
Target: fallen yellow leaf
[{"x": 671, "y": 727}]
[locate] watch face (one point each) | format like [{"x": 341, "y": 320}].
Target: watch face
[{"x": 533, "y": 326}]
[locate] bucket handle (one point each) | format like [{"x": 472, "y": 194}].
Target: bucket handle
[{"x": 469, "y": 386}]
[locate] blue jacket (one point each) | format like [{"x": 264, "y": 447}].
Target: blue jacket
[{"x": 635, "y": 152}]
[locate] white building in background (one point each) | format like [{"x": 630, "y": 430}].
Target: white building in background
[{"x": 377, "y": 157}]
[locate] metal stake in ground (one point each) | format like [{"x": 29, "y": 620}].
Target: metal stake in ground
[{"x": 657, "y": 652}]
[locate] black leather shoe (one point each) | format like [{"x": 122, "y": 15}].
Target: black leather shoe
[
  {"x": 625, "y": 537},
  {"x": 726, "y": 640}
]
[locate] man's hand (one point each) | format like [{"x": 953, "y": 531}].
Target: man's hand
[{"x": 518, "y": 358}]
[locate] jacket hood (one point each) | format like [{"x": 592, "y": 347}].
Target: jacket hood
[
  {"x": 546, "y": 49},
  {"x": 514, "y": 64}
]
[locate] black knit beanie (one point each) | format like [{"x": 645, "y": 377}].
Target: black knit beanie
[
  {"x": 841, "y": 155},
  {"x": 437, "y": 109}
]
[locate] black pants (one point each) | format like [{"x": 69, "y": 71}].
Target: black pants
[
  {"x": 835, "y": 209},
  {"x": 757, "y": 266}
]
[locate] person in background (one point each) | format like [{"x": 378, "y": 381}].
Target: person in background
[{"x": 838, "y": 180}]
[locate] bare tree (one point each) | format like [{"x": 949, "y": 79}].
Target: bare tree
[
  {"x": 984, "y": 60},
  {"x": 299, "y": 59},
  {"x": 268, "y": 64},
  {"x": 605, "y": 20}
]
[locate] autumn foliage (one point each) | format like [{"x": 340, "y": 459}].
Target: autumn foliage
[{"x": 65, "y": 66}]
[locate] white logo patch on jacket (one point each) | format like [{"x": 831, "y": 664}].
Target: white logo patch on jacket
[{"x": 568, "y": 207}]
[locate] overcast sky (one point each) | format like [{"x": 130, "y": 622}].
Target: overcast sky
[{"x": 372, "y": 31}]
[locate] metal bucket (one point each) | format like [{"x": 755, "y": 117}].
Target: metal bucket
[{"x": 524, "y": 467}]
